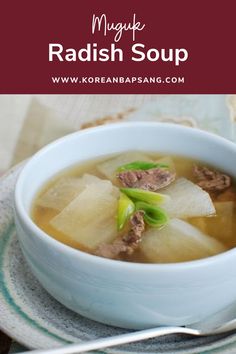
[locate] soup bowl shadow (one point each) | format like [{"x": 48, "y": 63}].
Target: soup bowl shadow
[{"x": 123, "y": 294}]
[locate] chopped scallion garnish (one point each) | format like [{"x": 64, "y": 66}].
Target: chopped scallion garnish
[
  {"x": 141, "y": 165},
  {"x": 154, "y": 216},
  {"x": 125, "y": 209},
  {"x": 139, "y": 194}
]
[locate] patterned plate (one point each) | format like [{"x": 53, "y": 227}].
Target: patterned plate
[{"x": 32, "y": 317}]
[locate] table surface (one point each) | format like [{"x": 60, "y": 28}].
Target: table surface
[{"x": 28, "y": 122}]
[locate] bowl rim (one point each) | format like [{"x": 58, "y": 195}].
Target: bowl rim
[{"x": 24, "y": 217}]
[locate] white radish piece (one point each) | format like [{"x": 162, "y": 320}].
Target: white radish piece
[
  {"x": 187, "y": 200},
  {"x": 109, "y": 167},
  {"x": 64, "y": 191},
  {"x": 179, "y": 241},
  {"x": 90, "y": 219},
  {"x": 60, "y": 194}
]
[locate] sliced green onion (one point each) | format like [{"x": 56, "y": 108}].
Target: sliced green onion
[
  {"x": 139, "y": 194},
  {"x": 154, "y": 216},
  {"x": 141, "y": 165},
  {"x": 125, "y": 209}
]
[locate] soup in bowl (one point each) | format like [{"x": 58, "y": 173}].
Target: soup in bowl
[{"x": 132, "y": 225}]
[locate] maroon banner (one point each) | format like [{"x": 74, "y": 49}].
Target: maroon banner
[{"x": 128, "y": 46}]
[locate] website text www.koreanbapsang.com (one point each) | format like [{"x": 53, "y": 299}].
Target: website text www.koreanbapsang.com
[{"x": 117, "y": 80}]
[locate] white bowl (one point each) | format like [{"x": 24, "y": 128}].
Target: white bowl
[{"x": 123, "y": 294}]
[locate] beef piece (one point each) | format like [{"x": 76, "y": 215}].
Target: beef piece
[
  {"x": 137, "y": 228},
  {"x": 128, "y": 243},
  {"x": 151, "y": 180},
  {"x": 211, "y": 180},
  {"x": 113, "y": 250}
]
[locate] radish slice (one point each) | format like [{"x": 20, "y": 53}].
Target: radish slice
[
  {"x": 179, "y": 241},
  {"x": 187, "y": 200},
  {"x": 109, "y": 167},
  {"x": 90, "y": 219},
  {"x": 64, "y": 191}
]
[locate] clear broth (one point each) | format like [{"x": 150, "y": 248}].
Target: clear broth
[{"x": 221, "y": 227}]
